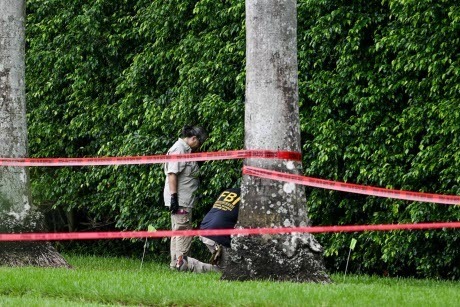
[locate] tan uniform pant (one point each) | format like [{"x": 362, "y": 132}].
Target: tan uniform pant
[
  {"x": 180, "y": 245},
  {"x": 211, "y": 245},
  {"x": 197, "y": 266}
]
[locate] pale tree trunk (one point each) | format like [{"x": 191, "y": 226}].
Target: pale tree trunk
[
  {"x": 16, "y": 211},
  {"x": 272, "y": 122}
]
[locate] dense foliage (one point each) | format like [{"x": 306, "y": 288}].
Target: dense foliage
[{"x": 379, "y": 91}]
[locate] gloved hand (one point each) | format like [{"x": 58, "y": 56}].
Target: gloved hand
[{"x": 174, "y": 203}]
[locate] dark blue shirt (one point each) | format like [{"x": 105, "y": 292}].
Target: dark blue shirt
[{"x": 223, "y": 215}]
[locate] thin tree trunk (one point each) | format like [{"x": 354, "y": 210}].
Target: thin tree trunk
[
  {"x": 272, "y": 122},
  {"x": 16, "y": 211}
]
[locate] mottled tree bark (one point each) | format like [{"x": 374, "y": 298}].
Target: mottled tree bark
[
  {"x": 272, "y": 122},
  {"x": 16, "y": 211}
]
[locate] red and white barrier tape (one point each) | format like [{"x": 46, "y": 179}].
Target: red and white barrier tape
[
  {"x": 353, "y": 188},
  {"x": 204, "y": 156},
  {"x": 247, "y": 170},
  {"x": 218, "y": 232},
  {"x": 240, "y": 154}
]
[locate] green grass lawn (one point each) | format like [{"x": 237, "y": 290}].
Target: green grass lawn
[{"x": 114, "y": 281}]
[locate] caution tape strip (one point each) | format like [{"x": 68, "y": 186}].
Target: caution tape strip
[
  {"x": 240, "y": 154},
  {"x": 217, "y": 155},
  {"x": 352, "y": 188},
  {"x": 217, "y": 232}
]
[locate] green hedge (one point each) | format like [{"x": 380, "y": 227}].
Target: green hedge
[{"x": 379, "y": 91}]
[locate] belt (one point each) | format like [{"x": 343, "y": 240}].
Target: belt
[{"x": 181, "y": 211}]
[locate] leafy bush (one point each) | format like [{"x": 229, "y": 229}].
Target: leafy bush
[
  {"x": 379, "y": 91},
  {"x": 117, "y": 78}
]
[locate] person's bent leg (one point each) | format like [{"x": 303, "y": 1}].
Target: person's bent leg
[
  {"x": 219, "y": 254},
  {"x": 210, "y": 244},
  {"x": 189, "y": 264},
  {"x": 224, "y": 258}
]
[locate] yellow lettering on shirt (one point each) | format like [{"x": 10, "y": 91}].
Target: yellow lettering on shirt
[
  {"x": 227, "y": 201},
  {"x": 230, "y": 197}
]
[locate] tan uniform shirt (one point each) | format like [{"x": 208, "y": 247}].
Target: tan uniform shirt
[{"x": 187, "y": 176}]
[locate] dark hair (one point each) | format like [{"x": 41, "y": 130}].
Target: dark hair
[{"x": 199, "y": 132}]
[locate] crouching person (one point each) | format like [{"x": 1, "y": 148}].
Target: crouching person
[{"x": 223, "y": 215}]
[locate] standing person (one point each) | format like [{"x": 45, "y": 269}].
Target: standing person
[
  {"x": 223, "y": 215},
  {"x": 180, "y": 186}
]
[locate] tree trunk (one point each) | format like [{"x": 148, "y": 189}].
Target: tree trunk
[
  {"x": 16, "y": 211},
  {"x": 272, "y": 122}
]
